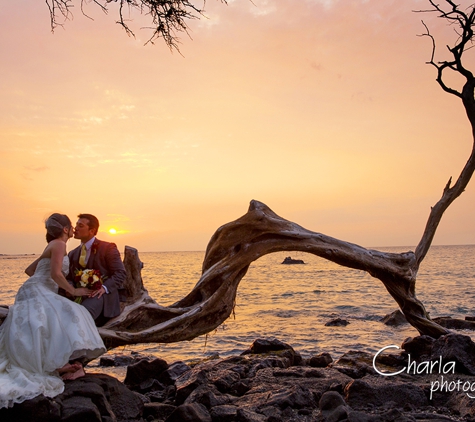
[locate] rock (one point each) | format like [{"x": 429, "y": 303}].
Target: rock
[
  {"x": 320, "y": 361},
  {"x": 394, "y": 319},
  {"x": 240, "y": 388},
  {"x": 225, "y": 379},
  {"x": 268, "y": 363},
  {"x": 189, "y": 382},
  {"x": 274, "y": 346},
  {"x": 281, "y": 386},
  {"x": 456, "y": 348},
  {"x": 462, "y": 405},
  {"x": 455, "y": 324},
  {"x": 149, "y": 385},
  {"x": 299, "y": 372},
  {"x": 333, "y": 407},
  {"x": 81, "y": 408},
  {"x": 262, "y": 345},
  {"x": 39, "y": 409},
  {"x": 358, "y": 416},
  {"x": 355, "y": 364},
  {"x": 224, "y": 413},
  {"x": 160, "y": 396},
  {"x": 244, "y": 415},
  {"x": 338, "y": 414},
  {"x": 418, "y": 346},
  {"x": 109, "y": 395},
  {"x": 143, "y": 371},
  {"x": 289, "y": 261},
  {"x": 391, "y": 362},
  {"x": 294, "y": 396},
  {"x": 273, "y": 414},
  {"x": 193, "y": 412},
  {"x": 158, "y": 410},
  {"x": 94, "y": 397},
  {"x": 208, "y": 396},
  {"x": 379, "y": 390},
  {"x": 107, "y": 361},
  {"x": 393, "y": 415},
  {"x": 337, "y": 322},
  {"x": 173, "y": 372},
  {"x": 330, "y": 400}
]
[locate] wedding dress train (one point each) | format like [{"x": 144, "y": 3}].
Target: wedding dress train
[{"x": 42, "y": 332}]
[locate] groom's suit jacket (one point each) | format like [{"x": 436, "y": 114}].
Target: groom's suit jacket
[{"x": 104, "y": 257}]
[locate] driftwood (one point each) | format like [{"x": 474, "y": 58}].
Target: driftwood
[{"x": 230, "y": 252}]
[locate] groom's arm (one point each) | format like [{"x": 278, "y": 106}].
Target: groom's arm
[{"x": 115, "y": 267}]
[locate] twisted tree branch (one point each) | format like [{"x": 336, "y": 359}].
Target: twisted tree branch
[{"x": 230, "y": 251}]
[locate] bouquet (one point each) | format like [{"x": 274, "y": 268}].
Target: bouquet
[{"x": 90, "y": 279}]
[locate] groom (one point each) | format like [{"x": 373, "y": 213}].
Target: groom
[{"x": 96, "y": 254}]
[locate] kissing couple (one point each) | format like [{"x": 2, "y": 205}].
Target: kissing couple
[{"x": 46, "y": 339}]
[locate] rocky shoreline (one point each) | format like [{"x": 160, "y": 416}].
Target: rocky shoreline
[{"x": 271, "y": 382}]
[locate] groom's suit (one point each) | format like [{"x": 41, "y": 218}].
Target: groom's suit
[{"x": 105, "y": 257}]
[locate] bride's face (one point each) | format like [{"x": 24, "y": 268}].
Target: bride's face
[{"x": 69, "y": 232}]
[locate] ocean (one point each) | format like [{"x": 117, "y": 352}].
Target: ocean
[{"x": 293, "y": 302}]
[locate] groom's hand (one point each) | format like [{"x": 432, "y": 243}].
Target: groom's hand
[{"x": 98, "y": 293}]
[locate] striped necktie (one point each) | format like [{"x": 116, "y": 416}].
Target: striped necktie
[{"x": 82, "y": 258}]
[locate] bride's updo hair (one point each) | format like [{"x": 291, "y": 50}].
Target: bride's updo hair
[{"x": 55, "y": 224}]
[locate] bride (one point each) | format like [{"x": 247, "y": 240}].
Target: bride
[{"x": 45, "y": 335}]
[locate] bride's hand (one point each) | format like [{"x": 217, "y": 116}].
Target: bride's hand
[{"x": 82, "y": 291}]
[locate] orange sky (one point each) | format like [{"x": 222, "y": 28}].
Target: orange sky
[{"x": 324, "y": 110}]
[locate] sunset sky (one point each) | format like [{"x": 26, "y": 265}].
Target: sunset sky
[{"x": 323, "y": 109}]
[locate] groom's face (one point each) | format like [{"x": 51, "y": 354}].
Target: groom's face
[{"x": 82, "y": 230}]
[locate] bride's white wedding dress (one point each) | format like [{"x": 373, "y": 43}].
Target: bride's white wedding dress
[{"x": 42, "y": 332}]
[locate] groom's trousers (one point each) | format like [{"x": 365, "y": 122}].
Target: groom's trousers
[{"x": 95, "y": 306}]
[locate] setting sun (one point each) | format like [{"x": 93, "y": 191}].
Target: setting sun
[{"x": 325, "y": 108}]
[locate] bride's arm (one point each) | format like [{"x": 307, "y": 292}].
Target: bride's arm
[
  {"x": 58, "y": 250},
  {"x": 30, "y": 270}
]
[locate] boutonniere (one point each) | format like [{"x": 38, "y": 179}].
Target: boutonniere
[{"x": 95, "y": 245}]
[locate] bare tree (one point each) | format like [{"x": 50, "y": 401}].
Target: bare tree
[
  {"x": 236, "y": 245},
  {"x": 168, "y": 17},
  {"x": 463, "y": 23}
]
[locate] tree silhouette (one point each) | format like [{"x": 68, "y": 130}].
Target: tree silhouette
[{"x": 168, "y": 18}]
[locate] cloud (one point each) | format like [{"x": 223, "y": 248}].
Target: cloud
[
  {"x": 263, "y": 7},
  {"x": 126, "y": 107},
  {"x": 37, "y": 169},
  {"x": 93, "y": 119}
]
